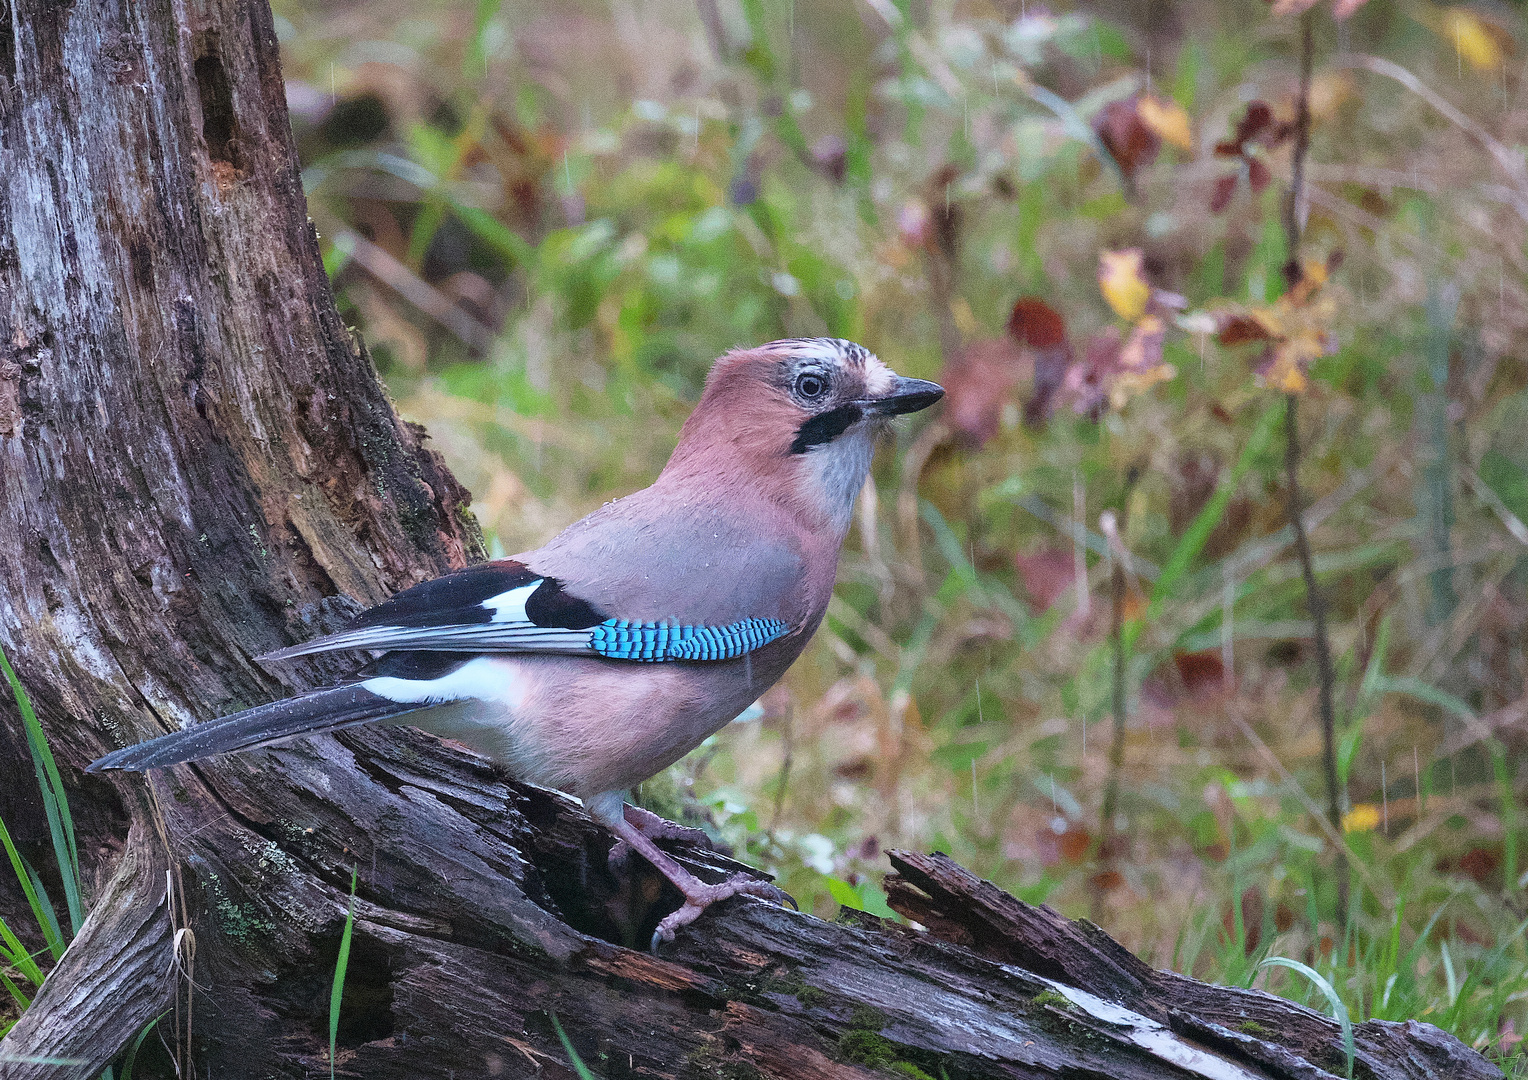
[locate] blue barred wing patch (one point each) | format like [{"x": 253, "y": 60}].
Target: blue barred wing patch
[{"x": 621, "y": 639}]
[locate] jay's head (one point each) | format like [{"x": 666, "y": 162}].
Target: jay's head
[{"x": 803, "y": 413}]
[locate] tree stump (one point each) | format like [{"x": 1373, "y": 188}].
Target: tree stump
[{"x": 199, "y": 464}]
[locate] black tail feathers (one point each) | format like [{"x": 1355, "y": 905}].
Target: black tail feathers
[{"x": 265, "y": 725}]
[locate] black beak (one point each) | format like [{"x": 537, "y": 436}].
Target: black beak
[{"x": 906, "y": 396}]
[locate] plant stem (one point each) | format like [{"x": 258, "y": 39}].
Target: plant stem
[
  {"x": 1302, "y": 149},
  {"x": 1325, "y": 674},
  {"x": 1119, "y": 697}
]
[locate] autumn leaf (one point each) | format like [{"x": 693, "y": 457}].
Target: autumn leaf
[
  {"x": 1036, "y": 324},
  {"x": 1480, "y": 43},
  {"x": 1258, "y": 175},
  {"x": 1087, "y": 381},
  {"x": 1240, "y": 329},
  {"x": 1131, "y": 142},
  {"x": 1294, "y": 329},
  {"x": 978, "y": 384},
  {"x": 1142, "y": 351},
  {"x": 1225, "y": 187},
  {"x": 1123, "y": 282},
  {"x": 1257, "y": 127},
  {"x": 1364, "y": 817},
  {"x": 1168, "y": 120}
]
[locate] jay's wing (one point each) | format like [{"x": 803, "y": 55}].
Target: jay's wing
[
  {"x": 655, "y": 576},
  {"x": 505, "y": 607}
]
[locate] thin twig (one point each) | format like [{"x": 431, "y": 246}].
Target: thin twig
[
  {"x": 1326, "y": 676},
  {"x": 1292, "y": 224},
  {"x": 1118, "y": 697}
]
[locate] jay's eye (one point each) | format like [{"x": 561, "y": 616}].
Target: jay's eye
[{"x": 811, "y": 386}]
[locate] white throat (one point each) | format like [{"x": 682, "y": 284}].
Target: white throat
[{"x": 836, "y": 472}]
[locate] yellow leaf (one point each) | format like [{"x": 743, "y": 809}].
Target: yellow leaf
[
  {"x": 1122, "y": 282},
  {"x": 1285, "y": 374},
  {"x": 1328, "y": 90},
  {"x": 1168, "y": 119},
  {"x": 1362, "y": 818},
  {"x": 1473, "y": 38},
  {"x": 965, "y": 319}
]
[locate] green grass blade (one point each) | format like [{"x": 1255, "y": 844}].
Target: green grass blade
[
  {"x": 47, "y": 912},
  {"x": 567, "y": 1044},
  {"x": 18, "y": 957},
  {"x": 17, "y": 994},
  {"x": 1192, "y": 542},
  {"x": 505, "y": 242},
  {"x": 1424, "y": 691},
  {"x": 55, "y": 801},
  {"x": 41, "y": 911},
  {"x": 132, "y": 1052},
  {"x": 337, "y": 992},
  {"x": 1462, "y": 994},
  {"x": 1339, "y": 1010}
]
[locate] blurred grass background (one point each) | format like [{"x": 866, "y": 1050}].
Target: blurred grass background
[{"x": 548, "y": 218}]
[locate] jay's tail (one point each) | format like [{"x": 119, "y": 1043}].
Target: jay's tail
[{"x": 265, "y": 725}]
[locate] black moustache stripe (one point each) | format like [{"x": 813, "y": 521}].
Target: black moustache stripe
[{"x": 825, "y": 427}]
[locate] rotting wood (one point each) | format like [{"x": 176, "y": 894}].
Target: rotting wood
[{"x": 197, "y": 464}]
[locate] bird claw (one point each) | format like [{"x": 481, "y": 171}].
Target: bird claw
[{"x": 696, "y": 901}]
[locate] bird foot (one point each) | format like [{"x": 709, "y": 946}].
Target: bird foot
[{"x": 699, "y": 896}]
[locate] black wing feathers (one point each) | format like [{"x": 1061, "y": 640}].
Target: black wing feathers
[
  {"x": 452, "y": 614},
  {"x": 415, "y": 666},
  {"x": 265, "y": 725},
  {"x": 456, "y": 599},
  {"x": 552, "y": 605}
]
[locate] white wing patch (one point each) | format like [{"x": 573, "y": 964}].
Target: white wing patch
[
  {"x": 487, "y": 678},
  {"x": 510, "y": 606}
]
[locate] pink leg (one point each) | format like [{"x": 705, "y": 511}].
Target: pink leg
[
  {"x": 698, "y": 896},
  {"x": 654, "y": 827}
]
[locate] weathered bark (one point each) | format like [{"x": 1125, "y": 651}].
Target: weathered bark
[{"x": 198, "y": 464}]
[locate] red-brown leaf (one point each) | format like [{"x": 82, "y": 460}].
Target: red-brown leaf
[
  {"x": 1225, "y": 187},
  {"x": 1200, "y": 672},
  {"x": 1036, "y": 324},
  {"x": 1240, "y": 329},
  {"x": 1127, "y": 138},
  {"x": 1258, "y": 117},
  {"x": 1258, "y": 175}
]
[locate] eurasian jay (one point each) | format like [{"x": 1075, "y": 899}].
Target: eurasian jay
[{"x": 594, "y": 662}]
